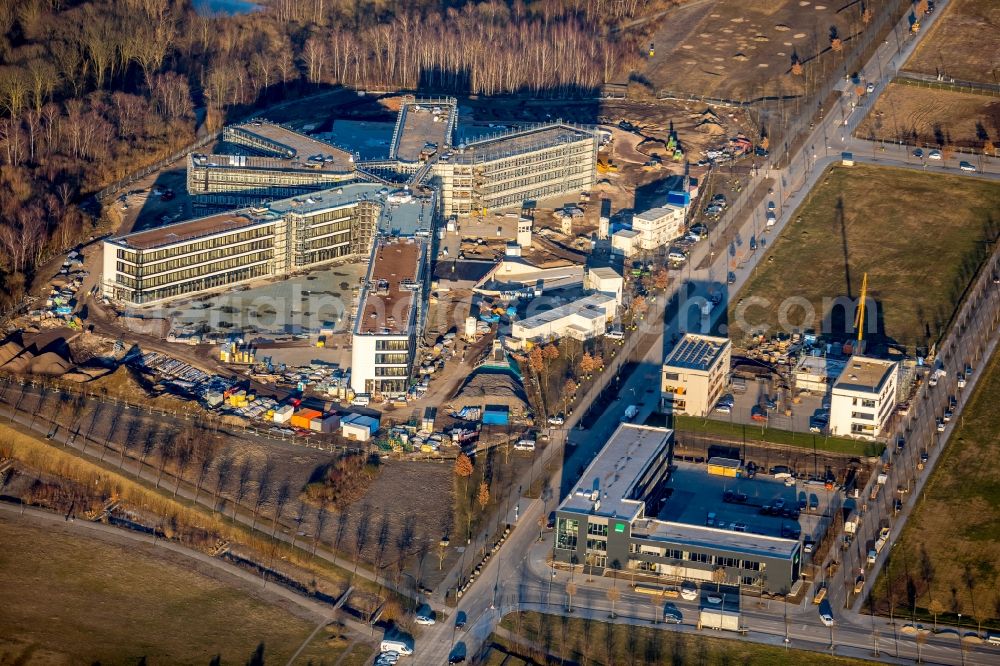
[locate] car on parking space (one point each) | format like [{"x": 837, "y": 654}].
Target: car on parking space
[
  {"x": 967, "y": 166},
  {"x": 457, "y": 658},
  {"x": 771, "y": 219},
  {"x": 713, "y": 599},
  {"x": 731, "y": 278},
  {"x": 724, "y": 408},
  {"x": 924, "y": 457},
  {"x": 900, "y": 442},
  {"x": 781, "y": 472},
  {"x": 770, "y": 205},
  {"x": 688, "y": 591},
  {"x": 826, "y": 613},
  {"x": 918, "y": 152},
  {"x": 934, "y": 155},
  {"x": 460, "y": 619},
  {"x": 817, "y": 423},
  {"x": 758, "y": 413},
  {"x": 807, "y": 545},
  {"x": 557, "y": 420},
  {"x": 870, "y": 89},
  {"x": 897, "y": 506},
  {"x": 425, "y": 620},
  {"x": 672, "y": 614},
  {"x": 940, "y": 425},
  {"x": 947, "y": 415},
  {"x": 968, "y": 371},
  {"x": 770, "y": 404}
]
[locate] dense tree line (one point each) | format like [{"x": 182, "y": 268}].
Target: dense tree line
[{"x": 92, "y": 90}]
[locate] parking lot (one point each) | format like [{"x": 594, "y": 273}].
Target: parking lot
[
  {"x": 793, "y": 505},
  {"x": 773, "y": 406}
]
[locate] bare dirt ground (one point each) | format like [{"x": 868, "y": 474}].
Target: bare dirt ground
[
  {"x": 963, "y": 43},
  {"x": 927, "y": 116},
  {"x": 743, "y": 49}
]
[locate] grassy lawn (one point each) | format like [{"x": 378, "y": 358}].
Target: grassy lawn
[
  {"x": 590, "y": 642},
  {"x": 801, "y": 439},
  {"x": 948, "y": 557},
  {"x": 919, "y": 237},
  {"x": 83, "y": 600},
  {"x": 963, "y": 43}
]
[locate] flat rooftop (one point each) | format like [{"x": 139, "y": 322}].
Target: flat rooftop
[
  {"x": 865, "y": 374},
  {"x": 423, "y": 122},
  {"x": 590, "y": 307},
  {"x": 261, "y": 163},
  {"x": 711, "y": 537},
  {"x": 401, "y": 212},
  {"x": 188, "y": 230},
  {"x": 392, "y": 285},
  {"x": 612, "y": 474},
  {"x": 694, "y": 494},
  {"x": 696, "y": 352},
  {"x": 298, "y": 147},
  {"x": 522, "y": 141}
]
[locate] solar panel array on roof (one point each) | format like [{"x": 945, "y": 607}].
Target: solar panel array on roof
[{"x": 693, "y": 353}]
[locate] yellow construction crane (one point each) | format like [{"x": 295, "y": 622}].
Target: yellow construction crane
[{"x": 859, "y": 317}]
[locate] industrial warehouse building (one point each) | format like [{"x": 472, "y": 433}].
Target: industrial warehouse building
[
  {"x": 497, "y": 172},
  {"x": 612, "y": 521},
  {"x": 226, "y": 249}
]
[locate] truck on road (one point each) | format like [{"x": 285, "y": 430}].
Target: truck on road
[
  {"x": 630, "y": 413},
  {"x": 719, "y": 620}
]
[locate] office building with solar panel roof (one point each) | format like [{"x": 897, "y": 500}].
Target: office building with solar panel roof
[{"x": 695, "y": 374}]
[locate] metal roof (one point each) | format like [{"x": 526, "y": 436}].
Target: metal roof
[{"x": 696, "y": 352}]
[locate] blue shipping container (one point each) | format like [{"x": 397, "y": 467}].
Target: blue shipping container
[{"x": 496, "y": 415}]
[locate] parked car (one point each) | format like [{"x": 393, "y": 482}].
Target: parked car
[
  {"x": 731, "y": 278},
  {"x": 724, "y": 408},
  {"x": 924, "y": 457},
  {"x": 870, "y": 89},
  {"x": 940, "y": 425},
  {"x": 688, "y": 591},
  {"x": 770, "y": 205},
  {"x": 947, "y": 416},
  {"x": 557, "y": 420},
  {"x": 425, "y": 620},
  {"x": 900, "y": 442},
  {"x": 758, "y": 413},
  {"x": 807, "y": 545},
  {"x": 967, "y": 166},
  {"x": 934, "y": 155},
  {"x": 918, "y": 153}
]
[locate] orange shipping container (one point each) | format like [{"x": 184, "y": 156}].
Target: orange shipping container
[{"x": 302, "y": 418}]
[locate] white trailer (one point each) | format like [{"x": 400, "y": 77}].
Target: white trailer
[{"x": 720, "y": 620}]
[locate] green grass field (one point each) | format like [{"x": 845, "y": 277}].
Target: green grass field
[
  {"x": 83, "y": 600},
  {"x": 919, "y": 237},
  {"x": 804, "y": 440},
  {"x": 948, "y": 558},
  {"x": 596, "y": 643}
]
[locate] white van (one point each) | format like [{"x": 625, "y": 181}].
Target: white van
[
  {"x": 361, "y": 400},
  {"x": 771, "y": 219},
  {"x": 525, "y": 445},
  {"x": 993, "y": 639},
  {"x": 397, "y": 646},
  {"x": 676, "y": 256}
]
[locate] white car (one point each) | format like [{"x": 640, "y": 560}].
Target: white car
[
  {"x": 826, "y": 619},
  {"x": 689, "y": 592},
  {"x": 556, "y": 420},
  {"x": 934, "y": 155},
  {"x": 871, "y": 88},
  {"x": 966, "y": 166},
  {"x": 424, "y": 620},
  {"x": 714, "y": 600}
]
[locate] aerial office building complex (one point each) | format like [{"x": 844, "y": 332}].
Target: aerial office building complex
[
  {"x": 695, "y": 374},
  {"x": 498, "y": 172},
  {"x": 863, "y": 397},
  {"x": 283, "y": 163},
  {"x": 226, "y": 249},
  {"x": 611, "y": 522}
]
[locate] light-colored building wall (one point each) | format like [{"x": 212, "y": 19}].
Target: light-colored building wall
[
  {"x": 863, "y": 398},
  {"x": 581, "y": 319},
  {"x": 625, "y": 242},
  {"x": 659, "y": 226},
  {"x": 695, "y": 374}
]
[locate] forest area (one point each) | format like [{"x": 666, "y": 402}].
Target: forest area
[{"x": 91, "y": 91}]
